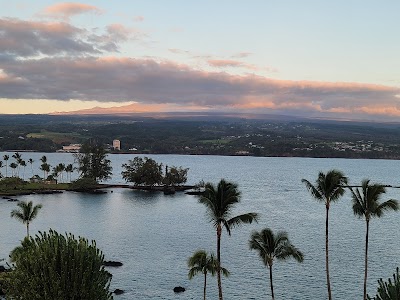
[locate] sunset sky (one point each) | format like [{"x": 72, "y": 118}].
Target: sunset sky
[{"x": 337, "y": 59}]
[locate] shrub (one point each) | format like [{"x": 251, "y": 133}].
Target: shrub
[
  {"x": 56, "y": 267},
  {"x": 389, "y": 290}
]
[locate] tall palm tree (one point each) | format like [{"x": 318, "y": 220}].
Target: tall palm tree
[
  {"x": 13, "y": 166},
  {"x": 1, "y": 166},
  {"x": 366, "y": 205},
  {"x": 6, "y": 158},
  {"x": 69, "y": 169},
  {"x": 328, "y": 188},
  {"x": 220, "y": 201},
  {"x": 23, "y": 164},
  {"x": 26, "y": 213},
  {"x": 271, "y": 247},
  {"x": 30, "y": 161},
  {"x": 203, "y": 263}
]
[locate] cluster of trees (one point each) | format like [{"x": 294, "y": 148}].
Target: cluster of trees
[{"x": 146, "y": 171}]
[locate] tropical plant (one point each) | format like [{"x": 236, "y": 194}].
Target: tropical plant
[
  {"x": 31, "y": 161},
  {"x": 93, "y": 162},
  {"x": 69, "y": 169},
  {"x": 143, "y": 171},
  {"x": 272, "y": 247},
  {"x": 388, "y": 290},
  {"x": 1, "y": 166},
  {"x": 6, "y": 158},
  {"x": 175, "y": 175},
  {"x": 26, "y": 213},
  {"x": 13, "y": 166},
  {"x": 328, "y": 188},
  {"x": 366, "y": 204},
  {"x": 45, "y": 167},
  {"x": 84, "y": 184},
  {"x": 53, "y": 266},
  {"x": 201, "y": 262},
  {"x": 219, "y": 202},
  {"x": 23, "y": 164}
]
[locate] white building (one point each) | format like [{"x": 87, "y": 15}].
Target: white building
[
  {"x": 117, "y": 144},
  {"x": 71, "y": 148}
]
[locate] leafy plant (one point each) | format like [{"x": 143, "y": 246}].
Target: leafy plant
[{"x": 389, "y": 290}]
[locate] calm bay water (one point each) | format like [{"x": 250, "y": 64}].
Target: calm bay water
[{"x": 153, "y": 235}]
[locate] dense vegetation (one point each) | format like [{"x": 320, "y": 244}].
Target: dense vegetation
[{"x": 217, "y": 136}]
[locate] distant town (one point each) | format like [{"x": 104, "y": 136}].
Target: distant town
[{"x": 209, "y": 136}]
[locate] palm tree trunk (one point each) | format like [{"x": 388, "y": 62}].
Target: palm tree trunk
[
  {"x": 27, "y": 229},
  {"x": 219, "y": 229},
  {"x": 205, "y": 285},
  {"x": 328, "y": 281},
  {"x": 366, "y": 261},
  {"x": 270, "y": 280}
]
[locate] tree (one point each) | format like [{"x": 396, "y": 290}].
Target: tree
[
  {"x": 23, "y": 164},
  {"x": 328, "y": 188},
  {"x": 1, "y": 166},
  {"x": 220, "y": 201},
  {"x": 26, "y": 213},
  {"x": 31, "y": 161},
  {"x": 93, "y": 162},
  {"x": 69, "y": 169},
  {"x": 175, "y": 175},
  {"x": 203, "y": 263},
  {"x": 13, "y": 166},
  {"x": 366, "y": 205},
  {"x": 6, "y": 158},
  {"x": 57, "y": 267},
  {"x": 45, "y": 167},
  {"x": 271, "y": 247},
  {"x": 388, "y": 290},
  {"x": 143, "y": 171}
]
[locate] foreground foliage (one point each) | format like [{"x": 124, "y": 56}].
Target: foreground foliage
[
  {"x": 389, "y": 290},
  {"x": 56, "y": 267}
]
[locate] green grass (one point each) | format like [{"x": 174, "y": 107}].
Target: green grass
[{"x": 57, "y": 137}]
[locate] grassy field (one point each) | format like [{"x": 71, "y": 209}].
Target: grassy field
[{"x": 58, "y": 137}]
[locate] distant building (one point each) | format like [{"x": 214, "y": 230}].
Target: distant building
[
  {"x": 71, "y": 148},
  {"x": 117, "y": 144}
]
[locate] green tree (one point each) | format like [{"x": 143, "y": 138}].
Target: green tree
[
  {"x": 13, "y": 166},
  {"x": 219, "y": 202},
  {"x": 45, "y": 167},
  {"x": 175, "y": 175},
  {"x": 388, "y": 290},
  {"x": 6, "y": 158},
  {"x": 201, "y": 262},
  {"x": 69, "y": 169},
  {"x": 328, "y": 188},
  {"x": 1, "y": 166},
  {"x": 31, "y": 161},
  {"x": 23, "y": 164},
  {"x": 366, "y": 204},
  {"x": 93, "y": 162},
  {"x": 143, "y": 171},
  {"x": 56, "y": 267},
  {"x": 26, "y": 213},
  {"x": 272, "y": 246}
]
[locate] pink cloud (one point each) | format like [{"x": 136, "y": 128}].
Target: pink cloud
[
  {"x": 138, "y": 19},
  {"x": 66, "y": 10}
]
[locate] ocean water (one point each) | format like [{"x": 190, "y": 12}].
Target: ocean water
[{"x": 153, "y": 234}]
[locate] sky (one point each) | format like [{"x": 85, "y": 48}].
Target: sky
[{"x": 333, "y": 59}]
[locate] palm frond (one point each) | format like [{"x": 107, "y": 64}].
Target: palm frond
[{"x": 247, "y": 218}]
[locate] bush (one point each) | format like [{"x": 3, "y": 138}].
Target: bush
[
  {"x": 11, "y": 182},
  {"x": 388, "y": 290},
  {"x": 84, "y": 184},
  {"x": 56, "y": 267}
]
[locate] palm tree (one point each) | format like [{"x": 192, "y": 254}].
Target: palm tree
[
  {"x": 270, "y": 247},
  {"x": 26, "y": 213},
  {"x": 69, "y": 169},
  {"x": 220, "y": 201},
  {"x": 23, "y": 164},
  {"x": 1, "y": 166},
  {"x": 6, "y": 158},
  {"x": 328, "y": 188},
  {"x": 13, "y": 166},
  {"x": 30, "y": 161},
  {"x": 366, "y": 205},
  {"x": 203, "y": 263}
]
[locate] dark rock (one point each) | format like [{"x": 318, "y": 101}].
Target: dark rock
[
  {"x": 118, "y": 292},
  {"x": 12, "y": 200},
  {"x": 110, "y": 263},
  {"x": 179, "y": 289}
]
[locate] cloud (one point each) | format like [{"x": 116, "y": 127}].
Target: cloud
[
  {"x": 30, "y": 38},
  {"x": 242, "y": 55},
  {"x": 148, "y": 82},
  {"x": 230, "y": 63},
  {"x": 138, "y": 19},
  {"x": 66, "y": 10}
]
